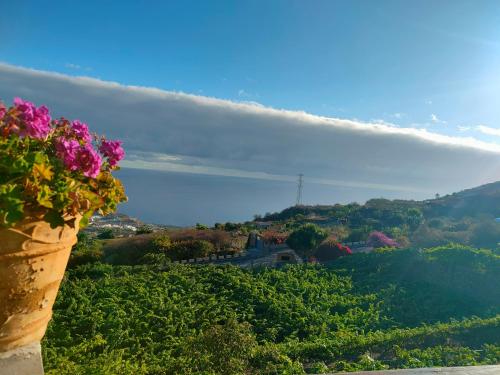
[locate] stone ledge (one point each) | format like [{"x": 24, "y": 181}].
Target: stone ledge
[
  {"x": 465, "y": 370},
  {"x": 22, "y": 361}
]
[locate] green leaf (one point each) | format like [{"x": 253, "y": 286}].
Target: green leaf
[
  {"x": 11, "y": 204},
  {"x": 44, "y": 197},
  {"x": 54, "y": 218}
]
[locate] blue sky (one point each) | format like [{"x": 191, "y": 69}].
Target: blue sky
[
  {"x": 221, "y": 104},
  {"x": 432, "y": 64}
]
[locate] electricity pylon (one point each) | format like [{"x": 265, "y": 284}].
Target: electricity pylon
[{"x": 299, "y": 190}]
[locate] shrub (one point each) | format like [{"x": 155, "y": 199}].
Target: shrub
[
  {"x": 144, "y": 229},
  {"x": 190, "y": 249},
  {"x": 161, "y": 242},
  {"x": 486, "y": 234},
  {"x": 85, "y": 251},
  {"x": 229, "y": 227},
  {"x": 154, "y": 258},
  {"x": 436, "y": 223},
  {"x": 379, "y": 239},
  {"x": 273, "y": 237},
  {"x": 106, "y": 234},
  {"x": 359, "y": 234},
  {"x": 331, "y": 249},
  {"x": 200, "y": 226},
  {"x": 306, "y": 238}
]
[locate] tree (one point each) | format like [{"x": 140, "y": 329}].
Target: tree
[
  {"x": 219, "y": 226},
  {"x": 306, "y": 238},
  {"x": 144, "y": 229},
  {"x": 106, "y": 234},
  {"x": 414, "y": 217},
  {"x": 200, "y": 226},
  {"x": 486, "y": 234},
  {"x": 229, "y": 227}
]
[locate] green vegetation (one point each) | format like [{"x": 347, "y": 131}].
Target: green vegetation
[
  {"x": 170, "y": 245},
  {"x": 388, "y": 309},
  {"x": 106, "y": 234},
  {"x": 190, "y": 249},
  {"x": 467, "y": 217},
  {"x": 306, "y": 239},
  {"x": 85, "y": 251},
  {"x": 124, "y": 308}
]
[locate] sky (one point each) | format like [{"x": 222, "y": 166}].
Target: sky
[{"x": 221, "y": 104}]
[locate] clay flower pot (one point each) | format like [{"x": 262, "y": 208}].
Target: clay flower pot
[{"x": 33, "y": 257}]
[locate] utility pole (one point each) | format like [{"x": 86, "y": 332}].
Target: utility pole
[{"x": 299, "y": 190}]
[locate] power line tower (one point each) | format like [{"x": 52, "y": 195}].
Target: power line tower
[{"x": 299, "y": 190}]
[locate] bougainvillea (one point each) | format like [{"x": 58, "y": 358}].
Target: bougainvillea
[
  {"x": 331, "y": 249},
  {"x": 54, "y": 168},
  {"x": 113, "y": 151},
  {"x": 379, "y": 239},
  {"x": 272, "y": 237}
]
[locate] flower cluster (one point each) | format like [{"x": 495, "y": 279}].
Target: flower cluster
[
  {"x": 81, "y": 131},
  {"x": 79, "y": 157},
  {"x": 35, "y": 122},
  {"x": 73, "y": 141},
  {"x": 378, "y": 239},
  {"x": 35, "y": 148},
  {"x": 113, "y": 151},
  {"x": 331, "y": 249}
]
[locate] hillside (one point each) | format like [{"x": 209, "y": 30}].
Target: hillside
[
  {"x": 126, "y": 308},
  {"x": 481, "y": 200},
  {"x": 396, "y": 309},
  {"x": 466, "y": 217}
]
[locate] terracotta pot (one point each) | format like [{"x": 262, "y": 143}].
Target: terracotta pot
[{"x": 33, "y": 257}]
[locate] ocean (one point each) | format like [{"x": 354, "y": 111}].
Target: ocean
[{"x": 184, "y": 199}]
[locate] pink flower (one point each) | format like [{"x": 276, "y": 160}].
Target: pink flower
[
  {"x": 78, "y": 157},
  {"x": 3, "y": 110},
  {"x": 81, "y": 131},
  {"x": 89, "y": 161},
  {"x": 113, "y": 151},
  {"x": 36, "y": 121},
  {"x": 379, "y": 239},
  {"x": 67, "y": 150}
]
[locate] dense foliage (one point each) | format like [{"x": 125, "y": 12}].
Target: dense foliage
[
  {"x": 54, "y": 169},
  {"x": 306, "y": 239},
  {"x": 390, "y": 309},
  {"x": 467, "y": 217}
]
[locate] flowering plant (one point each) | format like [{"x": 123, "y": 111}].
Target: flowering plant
[
  {"x": 54, "y": 168},
  {"x": 379, "y": 239},
  {"x": 331, "y": 249}
]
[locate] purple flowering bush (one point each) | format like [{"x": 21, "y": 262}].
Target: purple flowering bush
[
  {"x": 54, "y": 168},
  {"x": 379, "y": 239}
]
